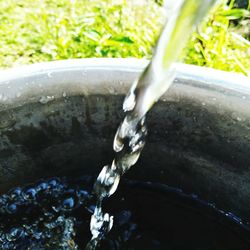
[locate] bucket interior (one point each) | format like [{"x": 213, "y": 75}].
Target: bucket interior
[{"x": 198, "y": 133}]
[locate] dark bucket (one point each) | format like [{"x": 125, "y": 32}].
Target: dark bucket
[{"x": 60, "y": 118}]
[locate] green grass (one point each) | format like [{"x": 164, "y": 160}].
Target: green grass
[
  {"x": 219, "y": 44},
  {"x": 33, "y": 31},
  {"x": 45, "y": 30}
]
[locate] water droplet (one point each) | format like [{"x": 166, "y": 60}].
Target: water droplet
[
  {"x": 83, "y": 195},
  {"x": 37, "y": 235},
  {"x": 12, "y": 208},
  {"x": 13, "y": 193},
  {"x": 15, "y": 234},
  {"x": 29, "y": 194},
  {"x": 64, "y": 94},
  {"x": 46, "y": 99},
  {"x": 42, "y": 186},
  {"x": 68, "y": 203},
  {"x": 53, "y": 183}
]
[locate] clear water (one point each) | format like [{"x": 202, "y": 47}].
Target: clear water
[
  {"x": 156, "y": 79},
  {"x": 54, "y": 214}
]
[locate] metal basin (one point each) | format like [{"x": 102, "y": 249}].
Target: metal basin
[{"x": 60, "y": 118}]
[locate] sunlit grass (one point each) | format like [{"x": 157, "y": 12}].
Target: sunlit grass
[
  {"x": 45, "y": 30},
  {"x": 218, "y": 44}
]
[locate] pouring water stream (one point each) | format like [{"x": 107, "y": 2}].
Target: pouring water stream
[{"x": 129, "y": 140}]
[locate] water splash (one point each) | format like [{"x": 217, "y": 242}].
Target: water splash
[
  {"x": 153, "y": 83},
  {"x": 35, "y": 224}
]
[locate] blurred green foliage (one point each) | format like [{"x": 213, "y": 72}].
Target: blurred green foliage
[
  {"x": 45, "y": 30},
  {"x": 220, "y": 41}
]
